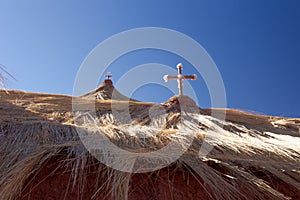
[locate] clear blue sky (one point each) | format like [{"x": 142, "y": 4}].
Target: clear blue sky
[{"x": 255, "y": 44}]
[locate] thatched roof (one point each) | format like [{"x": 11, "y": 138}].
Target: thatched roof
[
  {"x": 106, "y": 91},
  {"x": 41, "y": 153}
]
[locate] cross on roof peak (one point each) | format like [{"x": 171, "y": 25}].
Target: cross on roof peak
[
  {"x": 180, "y": 77},
  {"x": 108, "y": 76}
]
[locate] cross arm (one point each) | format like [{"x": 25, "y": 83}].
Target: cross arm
[
  {"x": 168, "y": 77},
  {"x": 191, "y": 77}
]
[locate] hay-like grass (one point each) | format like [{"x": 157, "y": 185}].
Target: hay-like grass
[
  {"x": 3, "y": 76},
  {"x": 249, "y": 151}
]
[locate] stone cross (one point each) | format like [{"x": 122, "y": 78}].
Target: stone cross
[
  {"x": 179, "y": 78},
  {"x": 108, "y": 76}
]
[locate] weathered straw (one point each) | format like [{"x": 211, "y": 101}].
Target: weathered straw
[{"x": 29, "y": 139}]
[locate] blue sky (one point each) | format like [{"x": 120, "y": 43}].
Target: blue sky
[{"x": 255, "y": 45}]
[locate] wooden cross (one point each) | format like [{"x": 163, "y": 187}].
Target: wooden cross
[
  {"x": 108, "y": 76},
  {"x": 179, "y": 78}
]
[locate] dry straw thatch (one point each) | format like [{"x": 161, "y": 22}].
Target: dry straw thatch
[
  {"x": 3, "y": 78},
  {"x": 254, "y": 156}
]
